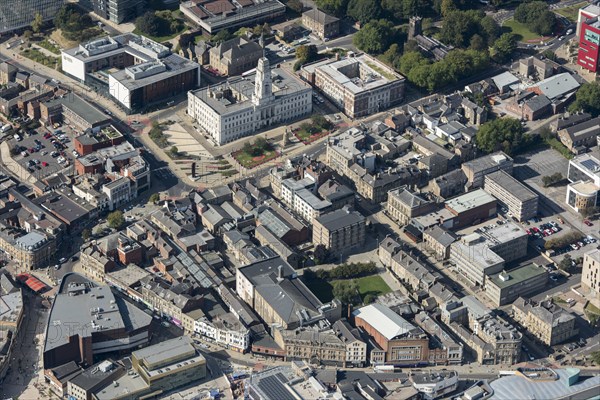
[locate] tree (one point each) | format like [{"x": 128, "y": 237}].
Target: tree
[
  {"x": 493, "y": 134},
  {"x": 306, "y": 53},
  {"x": 364, "y": 11},
  {"x": 173, "y": 151},
  {"x": 393, "y": 54},
  {"x": 86, "y": 234},
  {"x": 546, "y": 133},
  {"x": 369, "y": 298},
  {"x": 345, "y": 291},
  {"x": 504, "y": 47},
  {"x": 115, "y": 219},
  {"x": 536, "y": 16},
  {"x": 565, "y": 263},
  {"x": 459, "y": 26},
  {"x": 587, "y": 99},
  {"x": 335, "y": 7},
  {"x": 477, "y": 43},
  {"x": 262, "y": 143},
  {"x": 222, "y": 36},
  {"x": 375, "y": 37},
  {"x": 321, "y": 254},
  {"x": 27, "y": 34},
  {"x": 295, "y": 5},
  {"x": 553, "y": 179},
  {"x": 38, "y": 23},
  {"x": 447, "y": 7},
  {"x": 154, "y": 198},
  {"x": 550, "y": 55},
  {"x": 321, "y": 122},
  {"x": 149, "y": 23},
  {"x": 596, "y": 357},
  {"x": 490, "y": 29}
]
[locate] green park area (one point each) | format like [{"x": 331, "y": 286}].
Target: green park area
[
  {"x": 255, "y": 154},
  {"x": 355, "y": 283},
  {"x": 316, "y": 129},
  {"x": 523, "y": 33}
]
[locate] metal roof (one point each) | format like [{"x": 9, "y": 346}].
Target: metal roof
[{"x": 384, "y": 320}]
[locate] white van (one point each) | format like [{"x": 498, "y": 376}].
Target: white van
[
  {"x": 6, "y": 128},
  {"x": 17, "y": 138}
]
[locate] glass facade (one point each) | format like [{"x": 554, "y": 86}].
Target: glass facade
[{"x": 15, "y": 14}]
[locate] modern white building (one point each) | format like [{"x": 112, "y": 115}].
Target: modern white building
[
  {"x": 134, "y": 70},
  {"x": 584, "y": 182},
  {"x": 434, "y": 385},
  {"x": 243, "y": 106}
]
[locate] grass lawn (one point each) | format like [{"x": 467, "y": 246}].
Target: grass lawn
[
  {"x": 592, "y": 313},
  {"x": 523, "y": 33},
  {"x": 373, "y": 285},
  {"x": 41, "y": 58},
  {"x": 307, "y": 137},
  {"x": 161, "y": 39},
  {"x": 571, "y": 12},
  {"x": 249, "y": 161}
]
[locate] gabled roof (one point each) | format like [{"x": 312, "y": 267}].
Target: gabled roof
[{"x": 384, "y": 320}]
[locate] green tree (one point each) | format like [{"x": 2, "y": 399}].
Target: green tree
[
  {"x": 364, "y": 11},
  {"x": 565, "y": 263},
  {"x": 595, "y": 357},
  {"x": 587, "y": 99},
  {"x": 149, "y": 23},
  {"x": 306, "y": 53},
  {"x": 154, "y": 198},
  {"x": 335, "y": 7},
  {"x": 369, "y": 298},
  {"x": 295, "y": 5},
  {"x": 28, "y": 34},
  {"x": 459, "y": 26},
  {"x": 375, "y": 37},
  {"x": 262, "y": 143},
  {"x": 321, "y": 254},
  {"x": 490, "y": 29},
  {"x": 477, "y": 43},
  {"x": 392, "y": 55},
  {"x": 550, "y": 180},
  {"x": 504, "y": 47},
  {"x": 38, "y": 23},
  {"x": 321, "y": 122},
  {"x": 493, "y": 134},
  {"x": 115, "y": 219},
  {"x": 86, "y": 234},
  {"x": 536, "y": 16},
  {"x": 173, "y": 151},
  {"x": 222, "y": 36},
  {"x": 550, "y": 55},
  {"x": 345, "y": 291},
  {"x": 447, "y": 7}
]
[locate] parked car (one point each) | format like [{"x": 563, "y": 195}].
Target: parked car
[{"x": 587, "y": 222}]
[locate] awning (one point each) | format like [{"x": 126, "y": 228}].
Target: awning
[{"x": 32, "y": 282}]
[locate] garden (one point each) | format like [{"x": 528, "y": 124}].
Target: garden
[
  {"x": 41, "y": 58},
  {"x": 354, "y": 283},
  {"x": 316, "y": 129},
  {"x": 255, "y": 154}
]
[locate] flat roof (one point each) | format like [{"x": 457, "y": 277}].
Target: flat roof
[
  {"x": 339, "y": 219},
  {"x": 283, "y": 85},
  {"x": 517, "y": 275},
  {"x": 373, "y": 74},
  {"x": 512, "y": 185},
  {"x": 82, "y": 108},
  {"x": 469, "y": 201},
  {"x": 167, "y": 351},
  {"x": 512, "y": 387},
  {"x": 71, "y": 315},
  {"x": 384, "y": 320}
]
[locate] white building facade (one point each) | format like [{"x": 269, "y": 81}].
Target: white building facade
[
  {"x": 241, "y": 107},
  {"x": 239, "y": 340}
]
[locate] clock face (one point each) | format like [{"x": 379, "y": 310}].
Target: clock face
[{"x": 593, "y": 37}]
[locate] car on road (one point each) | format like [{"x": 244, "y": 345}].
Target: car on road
[
  {"x": 554, "y": 278},
  {"x": 587, "y": 222},
  {"x": 62, "y": 260},
  {"x": 56, "y": 267}
]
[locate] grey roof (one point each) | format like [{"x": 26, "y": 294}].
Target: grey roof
[
  {"x": 319, "y": 16},
  {"x": 237, "y": 48},
  {"x": 93, "y": 377},
  {"x": 215, "y": 214},
  {"x": 274, "y": 222},
  {"x": 385, "y": 321},
  {"x": 82, "y": 108},
  {"x": 32, "y": 239},
  {"x": 343, "y": 327},
  {"x": 339, "y": 219},
  {"x": 488, "y": 161},
  {"x": 165, "y": 351},
  {"x": 512, "y": 387},
  {"x": 408, "y": 197},
  {"x": 441, "y": 235},
  {"x": 333, "y": 191},
  {"x": 504, "y": 79},
  {"x": 74, "y": 312},
  {"x": 284, "y": 85},
  {"x": 512, "y": 185},
  {"x": 66, "y": 371},
  {"x": 538, "y": 102},
  {"x": 558, "y": 85},
  {"x": 567, "y": 120},
  {"x": 590, "y": 127}
]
